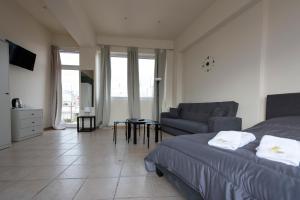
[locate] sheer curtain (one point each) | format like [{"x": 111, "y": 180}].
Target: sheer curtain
[
  {"x": 133, "y": 85},
  {"x": 159, "y": 83},
  {"x": 103, "y": 84},
  {"x": 56, "y": 90}
]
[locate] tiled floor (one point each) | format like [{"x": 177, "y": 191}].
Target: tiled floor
[{"x": 66, "y": 165}]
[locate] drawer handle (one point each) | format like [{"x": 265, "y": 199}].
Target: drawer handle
[
  {"x": 32, "y": 130},
  {"x": 33, "y": 122}
]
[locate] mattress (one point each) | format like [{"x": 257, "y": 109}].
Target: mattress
[{"x": 223, "y": 174}]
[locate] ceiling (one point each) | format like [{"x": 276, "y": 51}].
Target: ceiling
[
  {"x": 38, "y": 9},
  {"x": 155, "y": 19},
  {"x": 159, "y": 19}
]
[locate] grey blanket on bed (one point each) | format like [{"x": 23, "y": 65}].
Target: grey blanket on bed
[{"x": 219, "y": 174}]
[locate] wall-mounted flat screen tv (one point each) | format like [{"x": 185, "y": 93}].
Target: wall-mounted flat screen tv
[{"x": 21, "y": 57}]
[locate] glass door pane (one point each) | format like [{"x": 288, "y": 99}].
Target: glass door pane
[{"x": 70, "y": 96}]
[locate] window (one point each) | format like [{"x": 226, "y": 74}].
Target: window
[
  {"x": 69, "y": 58},
  {"x": 146, "y": 73},
  {"x": 118, "y": 76}
]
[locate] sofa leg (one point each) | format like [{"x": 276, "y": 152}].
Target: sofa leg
[{"x": 159, "y": 173}]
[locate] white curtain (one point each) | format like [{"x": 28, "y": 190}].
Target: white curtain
[
  {"x": 159, "y": 83},
  {"x": 56, "y": 89},
  {"x": 103, "y": 93},
  {"x": 133, "y": 85}
]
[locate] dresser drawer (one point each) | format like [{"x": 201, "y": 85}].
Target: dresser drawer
[
  {"x": 25, "y": 133},
  {"x": 25, "y": 114},
  {"x": 30, "y": 122}
]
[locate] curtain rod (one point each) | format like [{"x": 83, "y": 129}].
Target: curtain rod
[{"x": 124, "y": 46}]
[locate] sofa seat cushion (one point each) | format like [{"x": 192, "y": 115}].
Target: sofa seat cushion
[{"x": 186, "y": 125}]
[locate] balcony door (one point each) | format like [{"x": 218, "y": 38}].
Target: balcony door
[{"x": 70, "y": 77}]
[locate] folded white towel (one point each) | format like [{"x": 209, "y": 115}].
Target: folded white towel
[
  {"x": 278, "y": 149},
  {"x": 231, "y": 140}
]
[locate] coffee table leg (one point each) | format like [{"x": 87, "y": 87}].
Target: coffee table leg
[
  {"x": 114, "y": 134},
  {"x": 129, "y": 131},
  {"x": 156, "y": 133},
  {"x": 82, "y": 122},
  {"x": 126, "y": 131},
  {"x": 148, "y": 133},
  {"x": 91, "y": 124},
  {"x": 77, "y": 124},
  {"x": 139, "y": 130},
  {"x": 144, "y": 134},
  {"x": 134, "y": 134}
]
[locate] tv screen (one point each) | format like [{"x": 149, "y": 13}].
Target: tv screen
[{"x": 21, "y": 57}]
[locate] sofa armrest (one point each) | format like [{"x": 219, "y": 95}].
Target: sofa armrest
[
  {"x": 168, "y": 115},
  {"x": 164, "y": 115},
  {"x": 216, "y": 124}
]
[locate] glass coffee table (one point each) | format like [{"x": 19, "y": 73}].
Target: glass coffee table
[{"x": 135, "y": 123}]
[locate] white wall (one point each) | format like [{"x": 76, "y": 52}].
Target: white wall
[
  {"x": 256, "y": 52},
  {"x": 216, "y": 14},
  {"x": 32, "y": 87},
  {"x": 283, "y": 47},
  {"x": 236, "y": 49},
  {"x": 119, "y": 109}
]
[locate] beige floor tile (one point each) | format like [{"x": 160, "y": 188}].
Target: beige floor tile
[
  {"x": 75, "y": 172},
  {"x": 154, "y": 198},
  {"x": 99, "y": 159},
  {"x": 145, "y": 186},
  {"x": 4, "y": 185},
  {"x": 92, "y": 171},
  {"x": 14, "y": 173},
  {"x": 45, "y": 172},
  {"x": 65, "y": 164},
  {"x": 134, "y": 169},
  {"x": 65, "y": 160},
  {"x": 60, "y": 190},
  {"x": 22, "y": 190},
  {"x": 134, "y": 187},
  {"x": 93, "y": 189}
]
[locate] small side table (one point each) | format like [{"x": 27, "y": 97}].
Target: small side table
[
  {"x": 116, "y": 130},
  {"x": 92, "y": 124}
]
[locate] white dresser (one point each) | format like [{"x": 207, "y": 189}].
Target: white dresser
[{"x": 26, "y": 123}]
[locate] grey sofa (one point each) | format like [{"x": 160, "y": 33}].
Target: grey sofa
[{"x": 191, "y": 118}]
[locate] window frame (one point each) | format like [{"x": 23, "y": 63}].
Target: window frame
[{"x": 70, "y": 67}]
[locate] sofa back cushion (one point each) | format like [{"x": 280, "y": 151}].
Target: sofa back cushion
[
  {"x": 201, "y": 112},
  {"x": 194, "y": 116}
]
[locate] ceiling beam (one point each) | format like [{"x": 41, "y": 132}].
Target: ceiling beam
[
  {"x": 135, "y": 42},
  {"x": 70, "y": 14}
]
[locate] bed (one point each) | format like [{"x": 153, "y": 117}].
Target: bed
[{"x": 200, "y": 171}]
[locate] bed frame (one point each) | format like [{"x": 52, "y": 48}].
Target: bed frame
[{"x": 181, "y": 186}]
